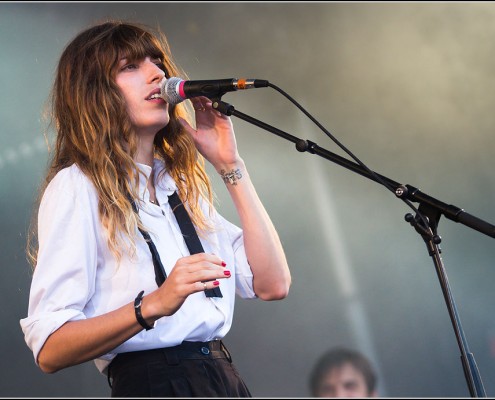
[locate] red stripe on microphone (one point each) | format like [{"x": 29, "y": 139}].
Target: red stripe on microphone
[{"x": 181, "y": 90}]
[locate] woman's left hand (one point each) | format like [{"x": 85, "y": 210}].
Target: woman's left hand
[{"x": 214, "y": 134}]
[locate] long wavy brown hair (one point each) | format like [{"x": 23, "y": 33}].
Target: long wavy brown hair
[{"x": 94, "y": 131}]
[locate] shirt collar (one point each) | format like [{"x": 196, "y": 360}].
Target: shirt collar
[{"x": 164, "y": 183}]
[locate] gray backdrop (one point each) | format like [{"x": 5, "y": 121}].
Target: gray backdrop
[{"x": 407, "y": 87}]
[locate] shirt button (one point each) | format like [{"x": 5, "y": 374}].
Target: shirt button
[{"x": 205, "y": 350}]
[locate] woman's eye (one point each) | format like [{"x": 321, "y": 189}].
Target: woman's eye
[
  {"x": 158, "y": 62},
  {"x": 129, "y": 66},
  {"x": 161, "y": 66}
]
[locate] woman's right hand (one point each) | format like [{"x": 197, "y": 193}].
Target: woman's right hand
[{"x": 190, "y": 274}]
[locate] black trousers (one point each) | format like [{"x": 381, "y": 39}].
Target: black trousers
[{"x": 192, "y": 369}]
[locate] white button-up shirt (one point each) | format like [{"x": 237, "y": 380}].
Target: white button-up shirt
[{"x": 78, "y": 277}]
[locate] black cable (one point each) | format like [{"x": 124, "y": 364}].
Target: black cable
[{"x": 376, "y": 177}]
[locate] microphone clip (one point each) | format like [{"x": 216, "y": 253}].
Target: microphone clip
[{"x": 222, "y": 106}]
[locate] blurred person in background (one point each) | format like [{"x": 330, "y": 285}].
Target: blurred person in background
[{"x": 343, "y": 372}]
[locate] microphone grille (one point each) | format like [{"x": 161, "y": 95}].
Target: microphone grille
[{"x": 170, "y": 90}]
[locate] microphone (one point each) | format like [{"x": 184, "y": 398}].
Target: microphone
[{"x": 175, "y": 90}]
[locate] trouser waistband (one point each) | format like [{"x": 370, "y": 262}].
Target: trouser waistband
[{"x": 173, "y": 355}]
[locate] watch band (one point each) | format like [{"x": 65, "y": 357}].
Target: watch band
[{"x": 137, "y": 309}]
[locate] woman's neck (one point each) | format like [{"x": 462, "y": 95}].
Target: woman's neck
[{"x": 145, "y": 152}]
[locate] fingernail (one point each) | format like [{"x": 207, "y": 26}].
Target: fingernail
[
  {"x": 216, "y": 283},
  {"x": 226, "y": 273},
  {"x": 224, "y": 264}
]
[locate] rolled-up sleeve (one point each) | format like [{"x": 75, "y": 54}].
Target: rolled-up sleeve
[{"x": 64, "y": 277}]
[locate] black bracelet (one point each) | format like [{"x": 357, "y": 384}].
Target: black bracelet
[{"x": 137, "y": 308}]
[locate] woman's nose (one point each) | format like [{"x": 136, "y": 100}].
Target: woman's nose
[{"x": 155, "y": 72}]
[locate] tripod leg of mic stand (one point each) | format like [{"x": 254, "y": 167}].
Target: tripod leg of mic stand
[{"x": 477, "y": 390}]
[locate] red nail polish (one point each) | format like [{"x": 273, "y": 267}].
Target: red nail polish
[
  {"x": 226, "y": 273},
  {"x": 216, "y": 283},
  {"x": 223, "y": 264}
]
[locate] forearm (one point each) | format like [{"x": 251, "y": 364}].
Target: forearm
[
  {"x": 79, "y": 341},
  {"x": 263, "y": 247}
]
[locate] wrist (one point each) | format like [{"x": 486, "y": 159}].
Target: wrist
[
  {"x": 231, "y": 174},
  {"x": 231, "y": 177},
  {"x": 138, "y": 302}
]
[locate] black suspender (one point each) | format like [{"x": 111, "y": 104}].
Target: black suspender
[
  {"x": 190, "y": 236},
  {"x": 189, "y": 233}
]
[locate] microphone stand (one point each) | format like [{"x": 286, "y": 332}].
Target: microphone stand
[{"x": 429, "y": 207}]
